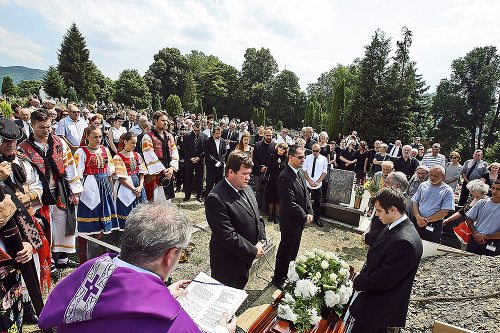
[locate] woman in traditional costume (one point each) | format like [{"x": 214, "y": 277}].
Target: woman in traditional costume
[
  {"x": 129, "y": 171},
  {"x": 96, "y": 208}
]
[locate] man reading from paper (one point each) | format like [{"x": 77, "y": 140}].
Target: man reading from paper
[{"x": 126, "y": 293}]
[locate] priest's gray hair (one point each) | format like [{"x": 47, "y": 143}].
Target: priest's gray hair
[{"x": 151, "y": 230}]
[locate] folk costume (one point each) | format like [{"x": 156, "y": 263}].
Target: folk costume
[
  {"x": 56, "y": 162},
  {"x": 96, "y": 208},
  {"x": 129, "y": 169},
  {"x": 160, "y": 153},
  {"x": 10, "y": 275}
]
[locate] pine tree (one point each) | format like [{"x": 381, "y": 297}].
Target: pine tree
[
  {"x": 214, "y": 113},
  {"x": 53, "y": 83},
  {"x": 189, "y": 97},
  {"x": 74, "y": 64},
  {"x": 72, "y": 96},
  {"x": 173, "y": 105},
  {"x": 157, "y": 103},
  {"x": 279, "y": 126},
  {"x": 8, "y": 87},
  {"x": 335, "y": 120}
]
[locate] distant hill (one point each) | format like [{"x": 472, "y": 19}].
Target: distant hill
[{"x": 18, "y": 73}]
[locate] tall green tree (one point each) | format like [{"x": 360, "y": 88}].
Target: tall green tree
[
  {"x": 371, "y": 94},
  {"x": 157, "y": 103},
  {"x": 258, "y": 70},
  {"x": 27, "y": 87},
  {"x": 286, "y": 101},
  {"x": 74, "y": 65},
  {"x": 318, "y": 118},
  {"x": 8, "y": 87},
  {"x": 103, "y": 88},
  {"x": 53, "y": 84},
  {"x": 173, "y": 105},
  {"x": 132, "y": 90},
  {"x": 335, "y": 121},
  {"x": 189, "y": 98},
  {"x": 477, "y": 76},
  {"x": 168, "y": 74}
]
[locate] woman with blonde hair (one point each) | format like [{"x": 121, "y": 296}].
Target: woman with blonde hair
[
  {"x": 453, "y": 170},
  {"x": 492, "y": 174}
]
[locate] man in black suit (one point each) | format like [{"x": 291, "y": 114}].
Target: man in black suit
[
  {"x": 215, "y": 155},
  {"x": 395, "y": 150},
  {"x": 385, "y": 282},
  {"x": 24, "y": 124},
  {"x": 231, "y": 136},
  {"x": 295, "y": 211},
  {"x": 405, "y": 163},
  {"x": 262, "y": 153},
  {"x": 238, "y": 232},
  {"x": 194, "y": 161}
]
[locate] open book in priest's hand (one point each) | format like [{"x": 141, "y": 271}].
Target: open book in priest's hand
[{"x": 207, "y": 299}]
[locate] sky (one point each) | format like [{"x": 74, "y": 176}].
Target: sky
[{"x": 306, "y": 37}]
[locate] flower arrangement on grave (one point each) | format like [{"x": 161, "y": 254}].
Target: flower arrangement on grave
[
  {"x": 359, "y": 190},
  {"x": 318, "y": 279},
  {"x": 370, "y": 186}
]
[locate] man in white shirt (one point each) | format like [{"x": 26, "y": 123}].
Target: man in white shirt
[
  {"x": 71, "y": 128},
  {"x": 285, "y": 138},
  {"x": 434, "y": 158},
  {"x": 315, "y": 169},
  {"x": 243, "y": 129}
]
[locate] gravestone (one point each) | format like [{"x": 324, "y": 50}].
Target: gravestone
[
  {"x": 340, "y": 189},
  {"x": 340, "y": 185}
]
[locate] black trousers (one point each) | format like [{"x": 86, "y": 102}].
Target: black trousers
[
  {"x": 475, "y": 247},
  {"x": 316, "y": 196},
  {"x": 238, "y": 282},
  {"x": 464, "y": 194},
  {"x": 213, "y": 178},
  {"x": 358, "y": 327},
  {"x": 179, "y": 177},
  {"x": 193, "y": 169},
  {"x": 287, "y": 251},
  {"x": 431, "y": 236}
]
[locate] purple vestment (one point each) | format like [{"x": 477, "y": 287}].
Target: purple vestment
[{"x": 102, "y": 297}]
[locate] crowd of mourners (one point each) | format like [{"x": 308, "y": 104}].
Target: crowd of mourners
[{"x": 81, "y": 170}]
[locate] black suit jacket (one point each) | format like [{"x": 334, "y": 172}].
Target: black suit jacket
[
  {"x": 386, "y": 279},
  {"x": 20, "y": 123},
  {"x": 236, "y": 228},
  {"x": 295, "y": 201},
  {"x": 233, "y": 138},
  {"x": 212, "y": 156},
  {"x": 190, "y": 150},
  {"x": 262, "y": 155}
]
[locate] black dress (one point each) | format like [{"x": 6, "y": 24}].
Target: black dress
[
  {"x": 325, "y": 151},
  {"x": 349, "y": 155},
  {"x": 338, "y": 153},
  {"x": 359, "y": 167},
  {"x": 276, "y": 165}
]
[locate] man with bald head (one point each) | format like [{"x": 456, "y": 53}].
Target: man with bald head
[
  {"x": 405, "y": 163},
  {"x": 432, "y": 202}
]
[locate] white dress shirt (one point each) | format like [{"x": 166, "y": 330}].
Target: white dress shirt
[{"x": 320, "y": 168}]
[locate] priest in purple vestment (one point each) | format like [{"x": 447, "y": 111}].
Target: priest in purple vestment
[{"x": 127, "y": 293}]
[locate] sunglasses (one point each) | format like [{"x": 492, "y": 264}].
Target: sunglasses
[
  {"x": 453, "y": 157},
  {"x": 315, "y": 151},
  {"x": 298, "y": 157}
]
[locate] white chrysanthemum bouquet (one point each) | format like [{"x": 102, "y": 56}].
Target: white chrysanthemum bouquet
[{"x": 317, "y": 279}]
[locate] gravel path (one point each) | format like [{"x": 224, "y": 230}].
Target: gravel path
[{"x": 437, "y": 276}]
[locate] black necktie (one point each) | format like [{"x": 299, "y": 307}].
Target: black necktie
[
  {"x": 314, "y": 167},
  {"x": 471, "y": 169},
  {"x": 244, "y": 197},
  {"x": 195, "y": 141}
]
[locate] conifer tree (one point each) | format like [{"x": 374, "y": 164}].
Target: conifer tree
[
  {"x": 74, "y": 65},
  {"x": 8, "y": 87},
  {"x": 173, "y": 105},
  {"x": 189, "y": 98},
  {"x": 53, "y": 83}
]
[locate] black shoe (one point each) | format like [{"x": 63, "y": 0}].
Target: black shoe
[
  {"x": 68, "y": 264},
  {"x": 318, "y": 223},
  {"x": 199, "y": 199},
  {"x": 279, "y": 285},
  {"x": 186, "y": 199},
  {"x": 29, "y": 315},
  {"x": 55, "y": 274}
]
